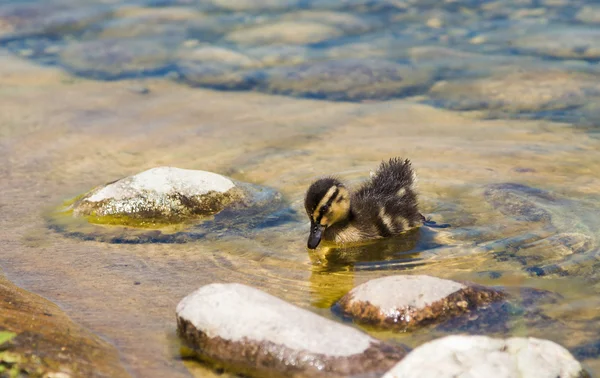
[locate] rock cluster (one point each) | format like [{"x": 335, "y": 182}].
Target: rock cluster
[{"x": 254, "y": 333}]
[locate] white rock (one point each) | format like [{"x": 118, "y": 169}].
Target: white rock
[
  {"x": 236, "y": 312},
  {"x": 482, "y": 356},
  {"x": 162, "y": 181},
  {"x": 393, "y": 292}
]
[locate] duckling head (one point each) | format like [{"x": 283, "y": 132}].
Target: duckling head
[{"x": 327, "y": 202}]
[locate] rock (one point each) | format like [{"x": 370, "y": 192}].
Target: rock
[
  {"x": 159, "y": 195},
  {"x": 517, "y": 91},
  {"x": 519, "y": 201},
  {"x": 37, "y": 339},
  {"x": 216, "y": 67},
  {"x": 251, "y": 331},
  {"x": 170, "y": 205},
  {"x": 218, "y": 55},
  {"x": 482, "y": 356},
  {"x": 215, "y": 75},
  {"x": 407, "y": 302},
  {"x": 282, "y": 55},
  {"x": 21, "y": 20},
  {"x": 562, "y": 42},
  {"x": 346, "y": 80},
  {"x": 115, "y": 59},
  {"x": 285, "y": 32},
  {"x": 589, "y": 14},
  {"x": 142, "y": 22},
  {"x": 346, "y": 22},
  {"x": 255, "y": 5}
]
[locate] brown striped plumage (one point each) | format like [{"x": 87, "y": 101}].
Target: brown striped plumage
[{"x": 384, "y": 206}]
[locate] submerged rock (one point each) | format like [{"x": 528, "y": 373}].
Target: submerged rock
[
  {"x": 407, "y": 302},
  {"x": 482, "y": 356},
  {"x": 117, "y": 58},
  {"x": 169, "y": 205},
  {"x": 285, "y": 32},
  {"x": 348, "y": 79},
  {"x": 519, "y": 201},
  {"x": 26, "y": 19},
  {"x": 253, "y": 332},
  {"x": 163, "y": 194},
  {"x": 216, "y": 67},
  {"x": 565, "y": 42},
  {"x": 516, "y": 91}
]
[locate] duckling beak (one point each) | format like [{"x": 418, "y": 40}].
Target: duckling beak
[{"x": 316, "y": 231}]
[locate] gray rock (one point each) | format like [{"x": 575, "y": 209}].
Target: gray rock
[
  {"x": 251, "y": 331},
  {"x": 21, "y": 20},
  {"x": 285, "y": 32},
  {"x": 114, "y": 58},
  {"x": 516, "y": 90},
  {"x": 519, "y": 201},
  {"x": 562, "y": 42},
  {"x": 348, "y": 79},
  {"x": 254, "y": 5},
  {"x": 406, "y": 302},
  {"x": 216, "y": 67},
  {"x": 159, "y": 195},
  {"x": 482, "y": 356},
  {"x": 589, "y": 14}
]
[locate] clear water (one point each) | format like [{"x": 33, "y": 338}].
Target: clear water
[{"x": 495, "y": 102}]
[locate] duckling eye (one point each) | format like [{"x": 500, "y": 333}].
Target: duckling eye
[{"x": 324, "y": 209}]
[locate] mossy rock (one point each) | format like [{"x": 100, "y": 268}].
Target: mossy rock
[{"x": 166, "y": 204}]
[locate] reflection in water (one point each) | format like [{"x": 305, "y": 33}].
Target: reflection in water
[{"x": 333, "y": 267}]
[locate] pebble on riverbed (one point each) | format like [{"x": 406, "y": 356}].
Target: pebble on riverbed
[
  {"x": 116, "y": 59},
  {"x": 346, "y": 80},
  {"x": 250, "y": 331},
  {"x": 511, "y": 91},
  {"x": 482, "y": 356},
  {"x": 406, "y": 302}
]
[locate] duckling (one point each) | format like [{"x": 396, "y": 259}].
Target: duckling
[{"x": 384, "y": 206}]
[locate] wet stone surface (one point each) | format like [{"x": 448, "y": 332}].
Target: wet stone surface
[
  {"x": 346, "y": 80},
  {"x": 38, "y": 340},
  {"x": 167, "y": 204},
  {"x": 404, "y": 303},
  {"x": 216, "y": 67},
  {"x": 28, "y": 19},
  {"x": 563, "y": 43},
  {"x": 515, "y": 92},
  {"x": 483, "y": 356},
  {"x": 519, "y": 201},
  {"x": 251, "y": 331},
  {"x": 117, "y": 58}
]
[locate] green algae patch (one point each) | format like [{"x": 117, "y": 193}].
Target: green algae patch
[
  {"x": 6, "y": 337},
  {"x": 38, "y": 340}
]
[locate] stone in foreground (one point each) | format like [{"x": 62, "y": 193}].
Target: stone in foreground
[
  {"x": 253, "y": 332},
  {"x": 163, "y": 195},
  {"x": 482, "y": 356},
  {"x": 406, "y": 302}
]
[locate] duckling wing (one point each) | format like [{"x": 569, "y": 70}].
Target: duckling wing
[{"x": 388, "y": 199}]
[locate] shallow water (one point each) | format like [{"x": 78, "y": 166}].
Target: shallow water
[{"x": 499, "y": 121}]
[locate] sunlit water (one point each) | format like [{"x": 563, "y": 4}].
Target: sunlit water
[{"x": 495, "y": 102}]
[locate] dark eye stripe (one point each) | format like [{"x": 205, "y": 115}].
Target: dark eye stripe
[{"x": 326, "y": 207}]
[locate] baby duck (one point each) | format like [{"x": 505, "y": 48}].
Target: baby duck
[{"x": 384, "y": 206}]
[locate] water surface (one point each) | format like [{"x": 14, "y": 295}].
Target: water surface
[{"x": 496, "y": 108}]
